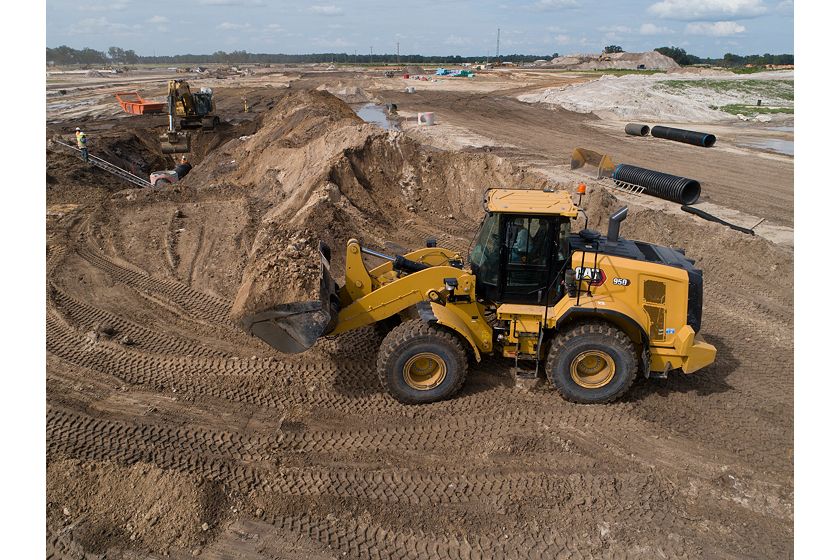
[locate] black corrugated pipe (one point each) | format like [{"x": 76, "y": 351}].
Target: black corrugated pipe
[
  {"x": 636, "y": 129},
  {"x": 670, "y": 187},
  {"x": 684, "y": 136}
]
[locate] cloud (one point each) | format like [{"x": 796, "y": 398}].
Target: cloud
[
  {"x": 561, "y": 39},
  {"x": 707, "y": 10},
  {"x": 101, "y": 26},
  {"x": 551, "y": 5},
  {"x": 716, "y": 29},
  {"x": 250, "y": 3},
  {"x": 107, "y": 7},
  {"x": 326, "y": 10},
  {"x": 615, "y": 32},
  {"x": 456, "y": 41},
  {"x": 158, "y": 19},
  {"x": 334, "y": 42},
  {"x": 651, "y": 29},
  {"x": 228, "y": 26},
  {"x": 615, "y": 29}
]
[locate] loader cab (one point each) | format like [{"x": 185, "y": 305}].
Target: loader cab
[
  {"x": 519, "y": 258},
  {"x": 522, "y": 247}
]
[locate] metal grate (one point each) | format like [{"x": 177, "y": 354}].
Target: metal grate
[{"x": 628, "y": 188}]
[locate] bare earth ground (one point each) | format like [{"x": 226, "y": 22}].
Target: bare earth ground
[{"x": 170, "y": 433}]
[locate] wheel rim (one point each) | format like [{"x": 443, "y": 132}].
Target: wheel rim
[
  {"x": 424, "y": 371},
  {"x": 592, "y": 369}
]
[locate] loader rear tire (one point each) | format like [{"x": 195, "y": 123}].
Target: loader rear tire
[
  {"x": 420, "y": 363},
  {"x": 593, "y": 362}
]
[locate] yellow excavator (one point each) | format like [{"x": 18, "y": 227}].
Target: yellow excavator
[
  {"x": 591, "y": 311},
  {"x": 193, "y": 110}
]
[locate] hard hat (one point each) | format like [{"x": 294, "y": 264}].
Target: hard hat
[{"x": 78, "y": 129}]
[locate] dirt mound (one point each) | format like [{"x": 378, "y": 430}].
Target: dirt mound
[
  {"x": 323, "y": 173},
  {"x": 284, "y": 268},
  {"x": 348, "y": 94},
  {"x": 106, "y": 505},
  {"x": 413, "y": 70},
  {"x": 650, "y": 60}
]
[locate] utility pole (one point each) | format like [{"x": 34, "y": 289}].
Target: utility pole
[
  {"x": 398, "y": 53},
  {"x": 498, "y": 36},
  {"x": 371, "y": 55}
]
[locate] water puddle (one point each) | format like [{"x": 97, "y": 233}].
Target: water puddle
[
  {"x": 378, "y": 115},
  {"x": 772, "y": 144},
  {"x": 781, "y": 128}
]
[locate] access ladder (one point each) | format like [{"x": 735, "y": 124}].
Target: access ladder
[{"x": 110, "y": 167}]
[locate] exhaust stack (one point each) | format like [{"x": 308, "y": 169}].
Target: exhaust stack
[{"x": 615, "y": 224}]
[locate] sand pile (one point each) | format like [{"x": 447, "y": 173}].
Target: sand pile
[
  {"x": 413, "y": 70},
  {"x": 662, "y": 98},
  {"x": 322, "y": 173},
  {"x": 651, "y": 60},
  {"x": 284, "y": 268},
  {"x": 348, "y": 94},
  {"x": 110, "y": 505}
]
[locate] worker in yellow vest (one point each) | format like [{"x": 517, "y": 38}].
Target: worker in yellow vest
[{"x": 81, "y": 142}]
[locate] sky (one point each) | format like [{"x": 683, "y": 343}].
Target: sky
[{"x": 707, "y": 28}]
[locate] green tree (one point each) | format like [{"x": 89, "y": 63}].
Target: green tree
[
  {"x": 613, "y": 49},
  {"x": 116, "y": 54}
]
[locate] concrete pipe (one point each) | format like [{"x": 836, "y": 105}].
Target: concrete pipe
[
  {"x": 636, "y": 129},
  {"x": 663, "y": 185},
  {"x": 685, "y": 136}
]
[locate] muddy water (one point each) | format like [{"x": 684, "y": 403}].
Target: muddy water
[
  {"x": 773, "y": 144},
  {"x": 377, "y": 114}
]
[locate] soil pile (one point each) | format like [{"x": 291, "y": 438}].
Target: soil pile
[
  {"x": 106, "y": 505},
  {"x": 322, "y": 173},
  {"x": 348, "y": 94},
  {"x": 284, "y": 268},
  {"x": 650, "y": 60}
]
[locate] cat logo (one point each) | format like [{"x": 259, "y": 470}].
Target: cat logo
[{"x": 594, "y": 276}]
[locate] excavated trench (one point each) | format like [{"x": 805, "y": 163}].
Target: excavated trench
[{"x": 171, "y": 432}]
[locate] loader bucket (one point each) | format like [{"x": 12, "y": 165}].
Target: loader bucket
[
  {"x": 174, "y": 142},
  {"x": 294, "y": 327},
  {"x": 596, "y": 163}
]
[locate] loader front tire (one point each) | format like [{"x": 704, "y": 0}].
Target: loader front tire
[
  {"x": 593, "y": 362},
  {"x": 420, "y": 363}
]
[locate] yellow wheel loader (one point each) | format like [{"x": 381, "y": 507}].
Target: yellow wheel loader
[{"x": 591, "y": 311}]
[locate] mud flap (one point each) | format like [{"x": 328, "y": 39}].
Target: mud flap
[{"x": 294, "y": 327}]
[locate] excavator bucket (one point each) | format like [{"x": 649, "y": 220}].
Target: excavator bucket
[
  {"x": 175, "y": 142},
  {"x": 293, "y": 327},
  {"x": 596, "y": 163}
]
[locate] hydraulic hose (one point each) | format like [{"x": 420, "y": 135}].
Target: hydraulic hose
[
  {"x": 685, "y": 136},
  {"x": 663, "y": 185},
  {"x": 636, "y": 129}
]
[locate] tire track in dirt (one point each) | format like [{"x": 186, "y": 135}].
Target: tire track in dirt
[
  {"x": 206, "y": 307},
  {"x": 215, "y": 456},
  {"x": 88, "y": 317}
]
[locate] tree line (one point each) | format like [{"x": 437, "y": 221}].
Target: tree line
[
  {"x": 729, "y": 59},
  {"x": 65, "y": 55}
]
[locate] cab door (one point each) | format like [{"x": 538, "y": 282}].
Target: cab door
[{"x": 528, "y": 258}]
